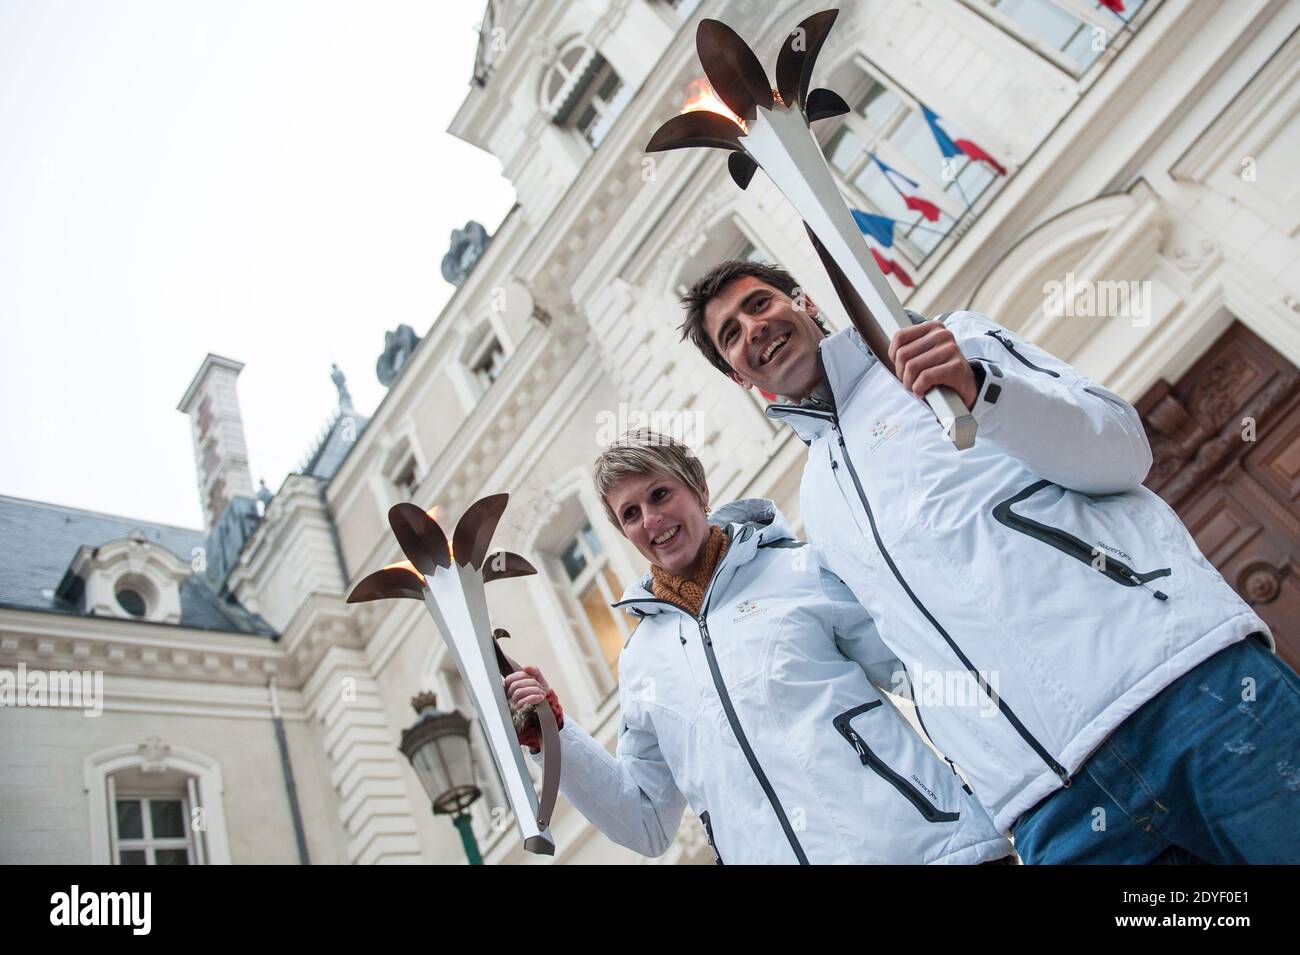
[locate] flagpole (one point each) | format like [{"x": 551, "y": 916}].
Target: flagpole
[{"x": 957, "y": 182}]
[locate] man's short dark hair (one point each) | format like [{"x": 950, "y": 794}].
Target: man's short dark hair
[{"x": 707, "y": 287}]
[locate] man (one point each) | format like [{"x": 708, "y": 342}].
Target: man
[{"x": 1108, "y": 695}]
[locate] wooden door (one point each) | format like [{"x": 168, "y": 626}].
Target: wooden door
[{"x": 1226, "y": 440}]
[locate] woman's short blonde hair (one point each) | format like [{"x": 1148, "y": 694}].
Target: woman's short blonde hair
[{"x": 641, "y": 452}]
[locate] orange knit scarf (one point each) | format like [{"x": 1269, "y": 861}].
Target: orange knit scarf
[{"x": 688, "y": 592}]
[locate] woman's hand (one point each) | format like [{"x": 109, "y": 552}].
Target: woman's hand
[{"x": 527, "y": 687}]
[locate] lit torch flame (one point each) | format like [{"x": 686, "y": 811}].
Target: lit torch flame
[
  {"x": 700, "y": 96},
  {"x": 405, "y": 565}
]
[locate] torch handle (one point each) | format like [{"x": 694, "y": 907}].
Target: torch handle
[
  {"x": 954, "y": 417},
  {"x": 550, "y": 737}
]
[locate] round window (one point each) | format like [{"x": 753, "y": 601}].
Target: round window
[{"x": 131, "y": 601}]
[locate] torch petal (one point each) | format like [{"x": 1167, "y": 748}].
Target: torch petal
[
  {"x": 504, "y": 564},
  {"x": 823, "y": 104},
  {"x": 420, "y": 537},
  {"x": 742, "y": 167},
  {"x": 475, "y": 528},
  {"x": 696, "y": 128},
  {"x": 798, "y": 56},
  {"x": 389, "y": 582},
  {"x": 733, "y": 70}
]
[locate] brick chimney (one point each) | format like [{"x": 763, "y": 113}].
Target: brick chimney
[{"x": 220, "y": 452}]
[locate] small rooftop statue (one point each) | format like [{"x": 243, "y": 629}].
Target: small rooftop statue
[
  {"x": 467, "y": 247},
  {"x": 340, "y": 382},
  {"x": 398, "y": 346}
]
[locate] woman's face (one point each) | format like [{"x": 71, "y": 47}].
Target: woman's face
[{"x": 663, "y": 518}]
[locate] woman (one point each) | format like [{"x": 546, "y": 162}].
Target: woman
[{"x": 747, "y": 692}]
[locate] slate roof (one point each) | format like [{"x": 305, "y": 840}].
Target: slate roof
[
  {"x": 39, "y": 540},
  {"x": 324, "y": 460}
]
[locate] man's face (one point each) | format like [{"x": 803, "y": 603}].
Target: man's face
[{"x": 769, "y": 341}]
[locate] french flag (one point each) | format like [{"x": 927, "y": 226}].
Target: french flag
[
  {"x": 952, "y": 147},
  {"x": 890, "y": 267},
  {"x": 927, "y": 209},
  {"x": 881, "y": 228}
]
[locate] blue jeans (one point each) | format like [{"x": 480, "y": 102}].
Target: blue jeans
[{"x": 1202, "y": 772}]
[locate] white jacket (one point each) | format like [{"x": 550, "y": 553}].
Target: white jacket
[
  {"x": 1035, "y": 591},
  {"x": 761, "y": 715}
]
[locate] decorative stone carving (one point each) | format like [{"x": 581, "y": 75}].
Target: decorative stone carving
[
  {"x": 399, "y": 344},
  {"x": 542, "y": 49},
  {"x": 1261, "y": 582},
  {"x": 153, "y": 754},
  {"x": 1193, "y": 438},
  {"x": 467, "y": 247}
]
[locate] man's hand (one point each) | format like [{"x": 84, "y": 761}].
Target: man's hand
[
  {"x": 524, "y": 688},
  {"x": 926, "y": 356}
]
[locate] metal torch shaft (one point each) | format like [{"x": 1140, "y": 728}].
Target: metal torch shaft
[
  {"x": 780, "y": 141},
  {"x": 455, "y": 600}
]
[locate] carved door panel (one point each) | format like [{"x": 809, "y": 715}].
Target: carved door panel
[{"x": 1226, "y": 440}]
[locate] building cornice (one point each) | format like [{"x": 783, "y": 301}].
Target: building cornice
[{"x": 135, "y": 648}]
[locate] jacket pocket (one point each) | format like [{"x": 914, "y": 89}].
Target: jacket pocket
[
  {"x": 708, "y": 832},
  {"x": 1098, "y": 559},
  {"x": 907, "y": 787}
]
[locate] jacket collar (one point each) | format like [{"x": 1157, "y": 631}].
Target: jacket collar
[
  {"x": 845, "y": 360},
  {"x": 750, "y": 523}
]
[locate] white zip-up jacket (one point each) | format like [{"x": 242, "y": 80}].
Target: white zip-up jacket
[
  {"x": 761, "y": 715},
  {"x": 1037, "y": 593}
]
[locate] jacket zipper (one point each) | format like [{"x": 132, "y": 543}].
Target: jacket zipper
[
  {"x": 732, "y": 719},
  {"x": 708, "y": 831},
  {"x": 833, "y": 419},
  {"x": 1010, "y": 346},
  {"x": 1067, "y": 543},
  {"x": 931, "y": 812},
  {"x": 916, "y": 703}
]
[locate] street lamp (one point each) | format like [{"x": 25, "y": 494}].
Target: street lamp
[{"x": 437, "y": 745}]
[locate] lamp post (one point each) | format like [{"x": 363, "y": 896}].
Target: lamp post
[{"x": 437, "y": 745}]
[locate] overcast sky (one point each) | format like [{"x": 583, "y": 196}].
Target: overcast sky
[{"x": 268, "y": 181}]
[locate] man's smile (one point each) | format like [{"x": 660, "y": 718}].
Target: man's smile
[{"x": 772, "y": 348}]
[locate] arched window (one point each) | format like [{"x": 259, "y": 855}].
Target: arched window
[
  {"x": 592, "y": 586},
  {"x": 132, "y": 577},
  {"x": 401, "y": 471},
  {"x": 153, "y": 804},
  {"x": 150, "y": 816},
  {"x": 482, "y": 359},
  {"x": 580, "y": 581},
  {"x": 582, "y": 91}
]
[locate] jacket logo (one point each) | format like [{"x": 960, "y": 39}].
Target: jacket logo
[
  {"x": 924, "y": 788},
  {"x": 748, "y": 610},
  {"x": 882, "y": 431},
  {"x": 1122, "y": 555}
]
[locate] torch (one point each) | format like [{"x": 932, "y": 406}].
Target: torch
[
  {"x": 448, "y": 576},
  {"x": 767, "y": 127}
]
